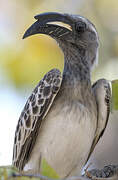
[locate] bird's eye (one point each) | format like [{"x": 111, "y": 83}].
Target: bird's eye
[{"x": 80, "y": 26}]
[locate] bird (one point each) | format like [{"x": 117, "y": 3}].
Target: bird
[{"x": 66, "y": 115}]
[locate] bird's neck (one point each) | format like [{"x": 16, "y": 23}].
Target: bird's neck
[
  {"x": 76, "y": 82},
  {"x": 76, "y": 67}
]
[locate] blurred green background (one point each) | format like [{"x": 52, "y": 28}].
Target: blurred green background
[{"x": 24, "y": 62}]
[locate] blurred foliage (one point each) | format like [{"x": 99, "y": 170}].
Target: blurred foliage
[
  {"x": 48, "y": 171},
  {"x": 29, "y": 64},
  {"x": 108, "y": 13},
  {"x": 115, "y": 95},
  {"x": 9, "y": 172}
]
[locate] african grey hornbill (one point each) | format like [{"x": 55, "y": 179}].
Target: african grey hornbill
[{"x": 65, "y": 115}]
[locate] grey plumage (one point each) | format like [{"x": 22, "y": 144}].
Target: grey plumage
[{"x": 72, "y": 115}]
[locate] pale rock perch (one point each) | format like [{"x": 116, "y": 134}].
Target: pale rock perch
[{"x": 65, "y": 115}]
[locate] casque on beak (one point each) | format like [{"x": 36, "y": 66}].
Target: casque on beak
[{"x": 41, "y": 26}]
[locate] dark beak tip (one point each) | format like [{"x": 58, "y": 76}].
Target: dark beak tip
[
  {"x": 25, "y": 35},
  {"x": 31, "y": 30}
]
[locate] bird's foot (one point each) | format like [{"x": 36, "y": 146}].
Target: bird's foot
[
  {"x": 88, "y": 173},
  {"x": 107, "y": 173}
]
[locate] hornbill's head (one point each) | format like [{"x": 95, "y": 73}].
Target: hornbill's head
[{"x": 79, "y": 35}]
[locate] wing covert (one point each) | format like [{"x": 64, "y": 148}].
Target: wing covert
[
  {"x": 102, "y": 93},
  {"x": 35, "y": 110}
]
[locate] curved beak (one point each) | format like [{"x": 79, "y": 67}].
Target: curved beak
[{"x": 41, "y": 26}]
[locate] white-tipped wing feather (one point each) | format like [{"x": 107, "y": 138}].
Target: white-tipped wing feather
[{"x": 32, "y": 115}]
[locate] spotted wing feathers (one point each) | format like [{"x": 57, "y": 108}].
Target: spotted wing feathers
[{"x": 35, "y": 110}]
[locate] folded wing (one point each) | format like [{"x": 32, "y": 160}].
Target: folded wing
[
  {"x": 34, "y": 112},
  {"x": 102, "y": 93}
]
